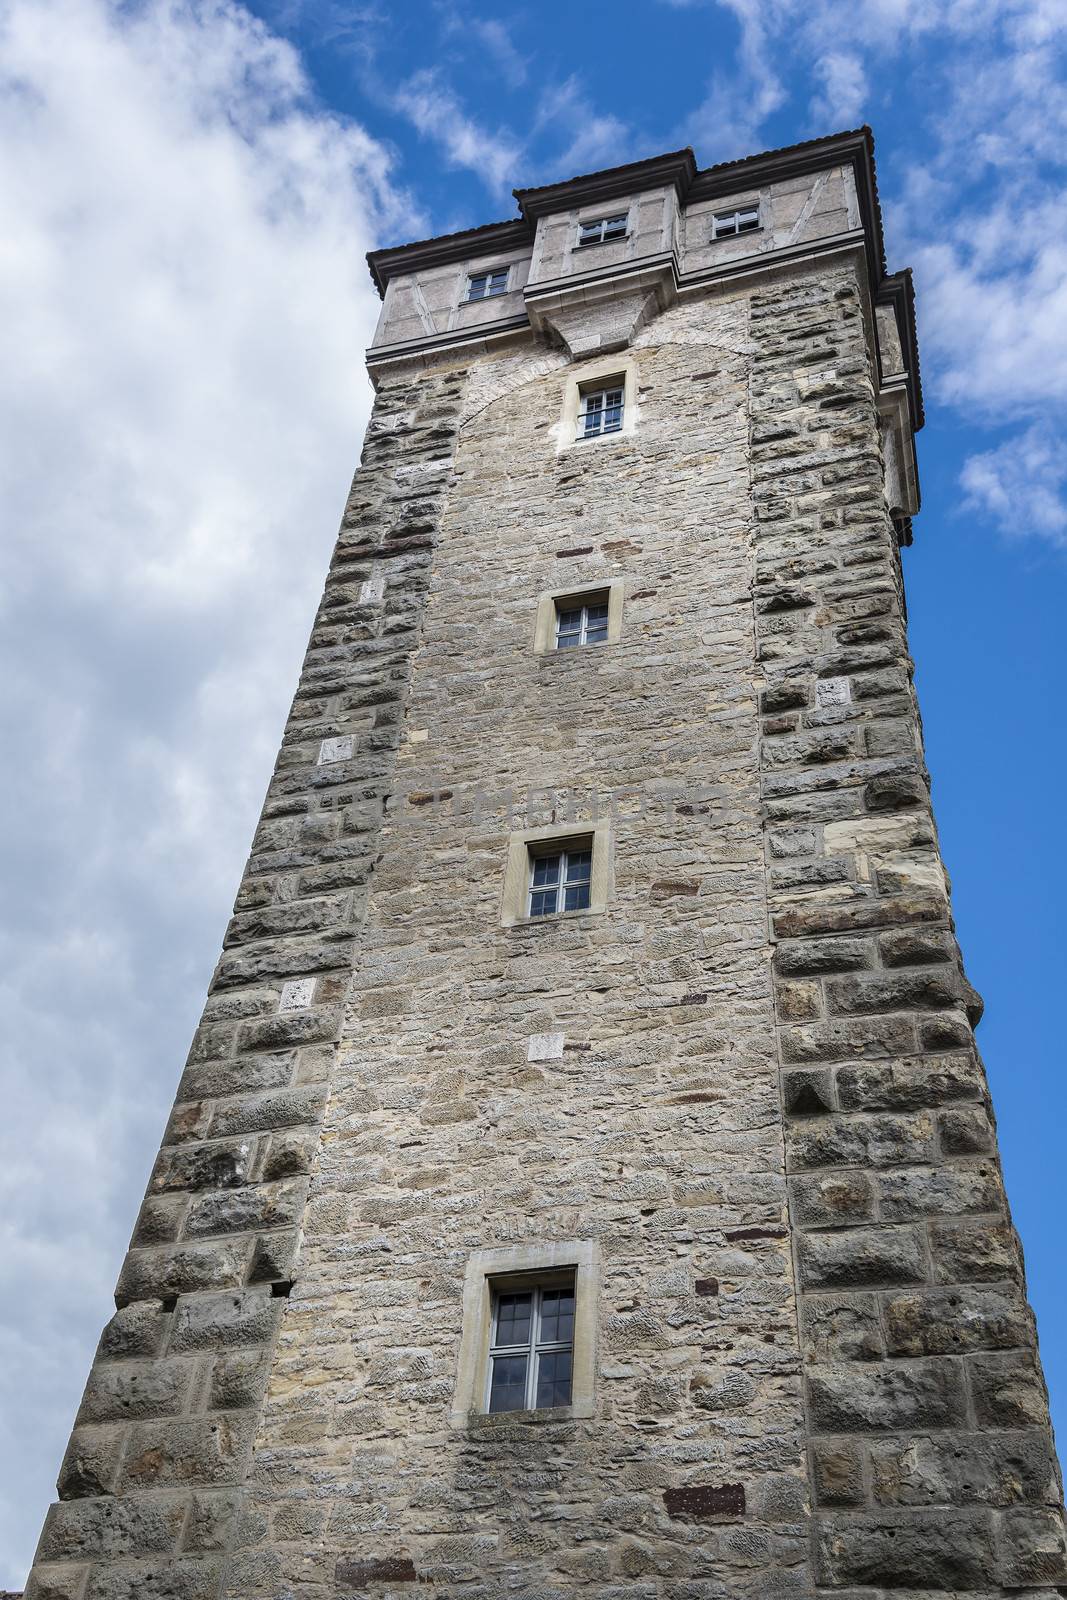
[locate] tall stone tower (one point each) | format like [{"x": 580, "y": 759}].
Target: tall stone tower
[{"x": 583, "y": 1180}]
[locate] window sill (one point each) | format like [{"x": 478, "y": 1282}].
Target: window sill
[
  {"x": 489, "y": 1425},
  {"x": 557, "y": 917},
  {"x": 598, "y": 244}
]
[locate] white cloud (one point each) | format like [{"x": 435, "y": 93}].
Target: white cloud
[
  {"x": 841, "y": 99},
  {"x": 184, "y": 307},
  {"x": 1021, "y": 486},
  {"x": 437, "y": 112}
]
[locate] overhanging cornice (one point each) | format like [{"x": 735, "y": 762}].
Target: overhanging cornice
[{"x": 678, "y": 167}]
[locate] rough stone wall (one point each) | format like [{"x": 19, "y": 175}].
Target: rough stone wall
[
  {"x": 837, "y": 1394},
  {"x": 149, "y": 1487},
  {"x": 930, "y": 1450},
  {"x": 656, "y": 1131}
]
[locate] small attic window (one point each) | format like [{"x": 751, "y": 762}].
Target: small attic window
[
  {"x": 602, "y": 230},
  {"x": 482, "y": 285},
  {"x": 744, "y": 220}
]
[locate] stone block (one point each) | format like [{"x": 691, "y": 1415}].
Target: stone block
[
  {"x": 995, "y": 1469},
  {"x": 211, "y": 1520},
  {"x": 886, "y": 1397},
  {"x": 292, "y": 1028},
  {"x": 809, "y": 1092},
  {"x": 135, "y": 1525},
  {"x": 223, "y": 1321},
  {"x": 939, "y": 1191},
  {"x": 1031, "y": 1549},
  {"x": 245, "y": 1210},
  {"x": 180, "y": 1269},
  {"x": 837, "y": 1472},
  {"x": 937, "y": 1550},
  {"x": 916, "y": 947},
  {"x": 122, "y": 1391},
  {"x": 46, "y": 1582},
  {"x": 282, "y": 1108},
  {"x": 1007, "y": 1391},
  {"x": 832, "y": 1199},
  {"x": 862, "y": 1257},
  {"x": 238, "y": 1380},
  {"x": 172, "y": 1580},
  {"x": 189, "y": 1452},
  {"x": 909, "y": 1085},
  {"x": 274, "y": 1257},
  {"x": 974, "y": 1252},
  {"x": 952, "y": 1321},
  {"x": 90, "y": 1466},
  {"x": 135, "y": 1330},
  {"x": 965, "y": 1130},
  {"x": 934, "y": 988},
  {"x": 203, "y": 1166},
  {"x": 816, "y": 957},
  {"x": 844, "y": 1038}
]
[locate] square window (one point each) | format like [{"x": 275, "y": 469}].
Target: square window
[
  {"x": 483, "y": 285},
  {"x": 603, "y": 229},
  {"x": 600, "y": 410},
  {"x": 743, "y": 220},
  {"x": 531, "y": 1345},
  {"x": 560, "y": 880},
  {"x": 581, "y": 621}
]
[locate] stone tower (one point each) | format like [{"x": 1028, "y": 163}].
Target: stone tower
[{"x": 583, "y": 1179}]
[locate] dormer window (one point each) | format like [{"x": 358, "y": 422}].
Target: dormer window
[
  {"x": 602, "y": 230},
  {"x": 483, "y": 285},
  {"x": 726, "y": 223}
]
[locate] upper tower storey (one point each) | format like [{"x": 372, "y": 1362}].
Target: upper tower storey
[{"x": 589, "y": 261}]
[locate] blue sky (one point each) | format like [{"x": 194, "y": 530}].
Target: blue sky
[{"x": 187, "y": 192}]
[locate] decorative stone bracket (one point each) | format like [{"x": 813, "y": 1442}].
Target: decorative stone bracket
[{"x": 589, "y": 316}]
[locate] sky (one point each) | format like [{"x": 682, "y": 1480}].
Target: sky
[{"x": 187, "y": 191}]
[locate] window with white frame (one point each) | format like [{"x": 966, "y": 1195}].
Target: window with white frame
[
  {"x": 560, "y": 880},
  {"x": 531, "y": 1343},
  {"x": 602, "y": 230},
  {"x": 485, "y": 284},
  {"x": 583, "y": 620},
  {"x": 743, "y": 220},
  {"x": 600, "y": 411}
]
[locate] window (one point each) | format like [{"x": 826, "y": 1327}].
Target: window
[
  {"x": 602, "y": 230},
  {"x": 589, "y": 614},
  {"x": 743, "y": 220},
  {"x": 600, "y": 412},
  {"x": 529, "y": 1331},
  {"x": 554, "y": 870},
  {"x": 531, "y": 1345},
  {"x": 581, "y": 621},
  {"x": 561, "y": 881},
  {"x": 485, "y": 284}
]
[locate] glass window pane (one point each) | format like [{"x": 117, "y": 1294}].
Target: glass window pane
[
  {"x": 576, "y": 897},
  {"x": 579, "y": 865},
  {"x": 596, "y": 610},
  {"x": 596, "y": 633},
  {"x": 567, "y": 641},
  {"x": 513, "y": 1313},
  {"x": 614, "y": 226},
  {"x": 570, "y": 621},
  {"x": 543, "y": 903},
  {"x": 507, "y": 1391},
  {"x": 557, "y": 1316},
  {"x": 554, "y": 1378},
  {"x": 545, "y": 870}
]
